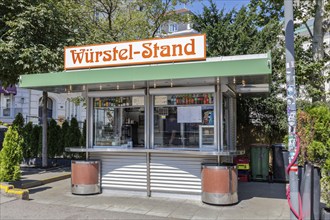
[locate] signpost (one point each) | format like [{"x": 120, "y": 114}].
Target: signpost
[{"x": 291, "y": 103}]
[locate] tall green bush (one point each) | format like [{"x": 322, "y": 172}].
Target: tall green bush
[
  {"x": 19, "y": 122},
  {"x": 35, "y": 141},
  {"x": 11, "y": 156},
  {"x": 314, "y": 132},
  {"x": 27, "y": 136},
  {"x": 53, "y": 139},
  {"x": 65, "y": 131},
  {"x": 74, "y": 134}
]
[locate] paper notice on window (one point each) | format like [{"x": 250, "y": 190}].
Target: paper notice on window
[
  {"x": 138, "y": 101},
  {"x": 161, "y": 100},
  {"x": 190, "y": 114}
]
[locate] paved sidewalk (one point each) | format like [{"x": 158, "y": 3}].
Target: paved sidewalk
[
  {"x": 54, "y": 201},
  {"x": 32, "y": 177}
]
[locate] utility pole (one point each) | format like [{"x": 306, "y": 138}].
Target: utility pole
[{"x": 291, "y": 104}]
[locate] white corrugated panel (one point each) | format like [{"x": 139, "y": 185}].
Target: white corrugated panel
[
  {"x": 123, "y": 170},
  {"x": 173, "y": 173}
]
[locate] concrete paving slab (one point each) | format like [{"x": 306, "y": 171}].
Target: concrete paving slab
[
  {"x": 185, "y": 211},
  {"x": 257, "y": 201}
]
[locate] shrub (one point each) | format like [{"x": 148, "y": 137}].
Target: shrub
[
  {"x": 19, "y": 122},
  {"x": 73, "y": 135},
  {"x": 27, "y": 136},
  {"x": 53, "y": 138},
  {"x": 11, "y": 156},
  {"x": 314, "y": 129}
]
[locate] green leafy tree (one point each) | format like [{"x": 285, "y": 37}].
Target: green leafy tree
[
  {"x": 250, "y": 30},
  {"x": 11, "y": 156}
]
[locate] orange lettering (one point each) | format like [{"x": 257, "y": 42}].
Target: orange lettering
[
  {"x": 192, "y": 49},
  {"x": 107, "y": 55},
  {"x": 115, "y": 52},
  {"x": 165, "y": 51},
  {"x": 77, "y": 56},
  {"x": 122, "y": 54},
  {"x": 130, "y": 52},
  {"x": 91, "y": 59},
  {"x": 156, "y": 48},
  {"x": 175, "y": 46},
  {"x": 148, "y": 52},
  {"x": 98, "y": 54}
]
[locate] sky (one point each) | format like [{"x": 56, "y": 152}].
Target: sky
[{"x": 197, "y": 6}]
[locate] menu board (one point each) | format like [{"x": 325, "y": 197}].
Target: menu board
[
  {"x": 138, "y": 100},
  {"x": 161, "y": 100},
  {"x": 190, "y": 114}
]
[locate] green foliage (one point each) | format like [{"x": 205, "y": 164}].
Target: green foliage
[
  {"x": 53, "y": 139},
  {"x": 313, "y": 126},
  {"x": 35, "y": 141},
  {"x": 19, "y": 122},
  {"x": 11, "y": 156},
  {"x": 65, "y": 131},
  {"x": 250, "y": 30},
  {"x": 27, "y": 144},
  {"x": 73, "y": 135}
]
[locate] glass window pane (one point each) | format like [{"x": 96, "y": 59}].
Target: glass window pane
[
  {"x": 119, "y": 121},
  {"x": 185, "y": 121},
  {"x": 6, "y": 105}
]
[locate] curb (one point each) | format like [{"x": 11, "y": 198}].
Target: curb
[
  {"x": 45, "y": 181},
  {"x": 23, "y": 192},
  {"x": 10, "y": 191}
]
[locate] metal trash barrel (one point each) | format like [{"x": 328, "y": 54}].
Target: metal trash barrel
[
  {"x": 219, "y": 184},
  {"x": 85, "y": 177}
]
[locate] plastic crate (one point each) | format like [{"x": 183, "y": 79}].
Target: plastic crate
[
  {"x": 242, "y": 160},
  {"x": 243, "y": 178},
  {"x": 243, "y": 166}
]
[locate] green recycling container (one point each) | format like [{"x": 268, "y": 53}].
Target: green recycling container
[{"x": 259, "y": 162}]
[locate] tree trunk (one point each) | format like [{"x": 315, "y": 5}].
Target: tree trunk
[
  {"x": 318, "y": 38},
  {"x": 44, "y": 129}
]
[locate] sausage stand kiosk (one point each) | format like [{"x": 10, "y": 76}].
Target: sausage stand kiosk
[{"x": 158, "y": 109}]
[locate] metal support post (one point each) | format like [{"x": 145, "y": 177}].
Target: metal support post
[{"x": 291, "y": 102}]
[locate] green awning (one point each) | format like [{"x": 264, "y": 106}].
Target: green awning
[{"x": 245, "y": 65}]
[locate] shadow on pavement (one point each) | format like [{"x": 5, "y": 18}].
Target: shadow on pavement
[
  {"x": 249, "y": 190},
  {"x": 39, "y": 189}
]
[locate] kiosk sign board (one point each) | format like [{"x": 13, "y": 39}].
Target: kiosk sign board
[{"x": 161, "y": 50}]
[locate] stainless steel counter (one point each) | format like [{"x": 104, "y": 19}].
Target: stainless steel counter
[{"x": 191, "y": 151}]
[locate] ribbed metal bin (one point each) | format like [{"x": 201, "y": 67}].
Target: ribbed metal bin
[
  {"x": 219, "y": 184},
  {"x": 85, "y": 177}
]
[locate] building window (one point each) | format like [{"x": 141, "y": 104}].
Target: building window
[
  {"x": 184, "y": 121},
  {"x": 49, "y": 109},
  {"x": 119, "y": 121},
  {"x": 6, "y": 105},
  {"x": 173, "y": 28}
]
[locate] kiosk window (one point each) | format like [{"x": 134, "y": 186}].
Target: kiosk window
[
  {"x": 119, "y": 121},
  {"x": 181, "y": 121}
]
